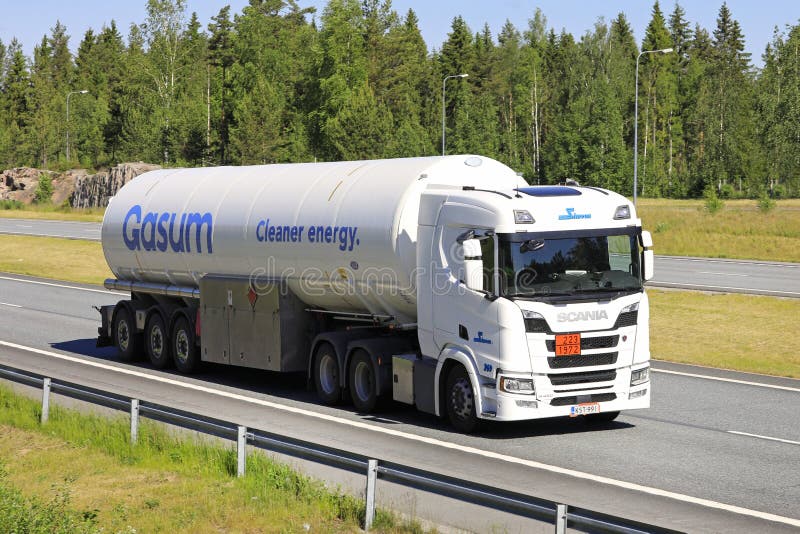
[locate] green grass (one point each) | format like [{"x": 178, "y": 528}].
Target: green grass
[
  {"x": 84, "y": 466},
  {"x": 17, "y": 210},
  {"x": 49, "y": 257},
  {"x": 739, "y": 230},
  {"x": 729, "y": 331}
]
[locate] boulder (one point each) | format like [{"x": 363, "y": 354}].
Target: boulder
[{"x": 92, "y": 191}]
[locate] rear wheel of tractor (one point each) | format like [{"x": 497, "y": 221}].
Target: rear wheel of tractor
[
  {"x": 157, "y": 342},
  {"x": 461, "y": 401},
  {"x": 184, "y": 351},
  {"x": 362, "y": 383},
  {"x": 326, "y": 374},
  {"x": 127, "y": 341}
]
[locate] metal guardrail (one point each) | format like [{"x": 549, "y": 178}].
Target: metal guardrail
[{"x": 561, "y": 515}]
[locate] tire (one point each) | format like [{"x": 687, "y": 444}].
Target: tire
[
  {"x": 157, "y": 342},
  {"x": 184, "y": 351},
  {"x": 127, "y": 341},
  {"x": 326, "y": 374},
  {"x": 362, "y": 382},
  {"x": 600, "y": 418},
  {"x": 460, "y": 401}
]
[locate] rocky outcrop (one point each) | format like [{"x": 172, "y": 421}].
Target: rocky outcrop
[
  {"x": 77, "y": 187},
  {"x": 94, "y": 190}
]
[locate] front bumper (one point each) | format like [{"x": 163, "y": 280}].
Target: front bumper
[{"x": 614, "y": 396}]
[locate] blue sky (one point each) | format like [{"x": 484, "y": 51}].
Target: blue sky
[{"x": 29, "y": 20}]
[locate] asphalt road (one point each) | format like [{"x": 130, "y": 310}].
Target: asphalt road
[
  {"x": 48, "y": 228},
  {"x": 717, "y": 452},
  {"x": 739, "y": 276}
]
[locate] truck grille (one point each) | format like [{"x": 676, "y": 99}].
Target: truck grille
[
  {"x": 597, "y": 397},
  {"x": 540, "y": 326},
  {"x": 627, "y": 319},
  {"x": 589, "y": 343},
  {"x": 588, "y": 377},
  {"x": 582, "y": 360}
]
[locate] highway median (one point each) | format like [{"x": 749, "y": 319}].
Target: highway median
[{"x": 79, "y": 473}]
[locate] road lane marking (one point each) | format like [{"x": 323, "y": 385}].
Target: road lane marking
[
  {"x": 33, "y": 234},
  {"x": 732, "y": 380},
  {"x": 790, "y": 265},
  {"x": 722, "y": 274},
  {"x": 51, "y": 284},
  {"x": 656, "y": 283},
  {"x": 422, "y": 439},
  {"x": 12, "y": 305},
  {"x": 24, "y": 226},
  {"x": 763, "y": 437}
]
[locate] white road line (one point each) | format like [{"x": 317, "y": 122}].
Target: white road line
[
  {"x": 763, "y": 437},
  {"x": 51, "y": 284},
  {"x": 722, "y": 274},
  {"x": 32, "y": 234},
  {"x": 12, "y": 305},
  {"x": 656, "y": 283},
  {"x": 422, "y": 439},
  {"x": 24, "y": 226},
  {"x": 730, "y": 262},
  {"x": 722, "y": 379}
]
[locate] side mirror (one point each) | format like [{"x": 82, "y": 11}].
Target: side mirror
[
  {"x": 473, "y": 264},
  {"x": 648, "y": 257}
]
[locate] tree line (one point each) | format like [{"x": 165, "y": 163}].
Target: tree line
[{"x": 281, "y": 83}]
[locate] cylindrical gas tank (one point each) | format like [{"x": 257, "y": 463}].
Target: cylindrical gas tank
[{"x": 342, "y": 234}]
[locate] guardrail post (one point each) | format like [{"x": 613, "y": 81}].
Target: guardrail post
[
  {"x": 372, "y": 477},
  {"x": 241, "y": 442},
  {"x": 45, "y": 400},
  {"x": 561, "y": 519},
  {"x": 134, "y": 421}
]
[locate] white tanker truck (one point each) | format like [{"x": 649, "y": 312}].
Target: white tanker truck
[{"x": 447, "y": 283}]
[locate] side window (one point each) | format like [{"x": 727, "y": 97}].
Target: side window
[
  {"x": 487, "y": 253},
  {"x": 619, "y": 253}
]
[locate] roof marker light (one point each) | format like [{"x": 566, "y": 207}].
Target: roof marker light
[
  {"x": 623, "y": 212},
  {"x": 523, "y": 217}
]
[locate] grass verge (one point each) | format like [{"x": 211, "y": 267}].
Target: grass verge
[
  {"x": 50, "y": 257},
  {"x": 80, "y": 470},
  {"x": 739, "y": 230},
  {"x": 52, "y": 212},
  {"x": 730, "y": 331}
]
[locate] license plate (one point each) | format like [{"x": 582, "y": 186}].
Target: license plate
[
  {"x": 568, "y": 344},
  {"x": 584, "y": 409}
]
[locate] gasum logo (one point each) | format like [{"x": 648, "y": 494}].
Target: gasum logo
[
  {"x": 570, "y": 317},
  {"x": 572, "y": 215},
  {"x": 162, "y": 231}
]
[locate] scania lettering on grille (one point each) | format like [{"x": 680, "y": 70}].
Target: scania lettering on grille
[{"x": 569, "y": 317}]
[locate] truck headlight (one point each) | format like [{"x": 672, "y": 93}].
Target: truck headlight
[
  {"x": 527, "y": 314},
  {"x": 630, "y": 308},
  {"x": 640, "y": 376},
  {"x": 522, "y": 386}
]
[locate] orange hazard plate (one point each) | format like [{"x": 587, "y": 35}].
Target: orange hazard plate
[{"x": 568, "y": 344}]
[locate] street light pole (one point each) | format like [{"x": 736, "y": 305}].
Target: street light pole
[
  {"x": 444, "y": 81},
  {"x": 81, "y": 92},
  {"x": 636, "y": 121}
]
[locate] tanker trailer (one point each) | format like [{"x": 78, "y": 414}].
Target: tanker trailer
[{"x": 447, "y": 283}]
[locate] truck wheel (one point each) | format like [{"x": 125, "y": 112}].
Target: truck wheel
[
  {"x": 460, "y": 400},
  {"x": 362, "y": 383},
  {"x": 157, "y": 342},
  {"x": 125, "y": 337},
  {"x": 326, "y": 374},
  {"x": 184, "y": 351},
  {"x": 600, "y": 418}
]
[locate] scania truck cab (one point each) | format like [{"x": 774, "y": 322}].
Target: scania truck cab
[{"x": 538, "y": 293}]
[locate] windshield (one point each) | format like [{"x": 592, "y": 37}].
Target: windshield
[{"x": 539, "y": 266}]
